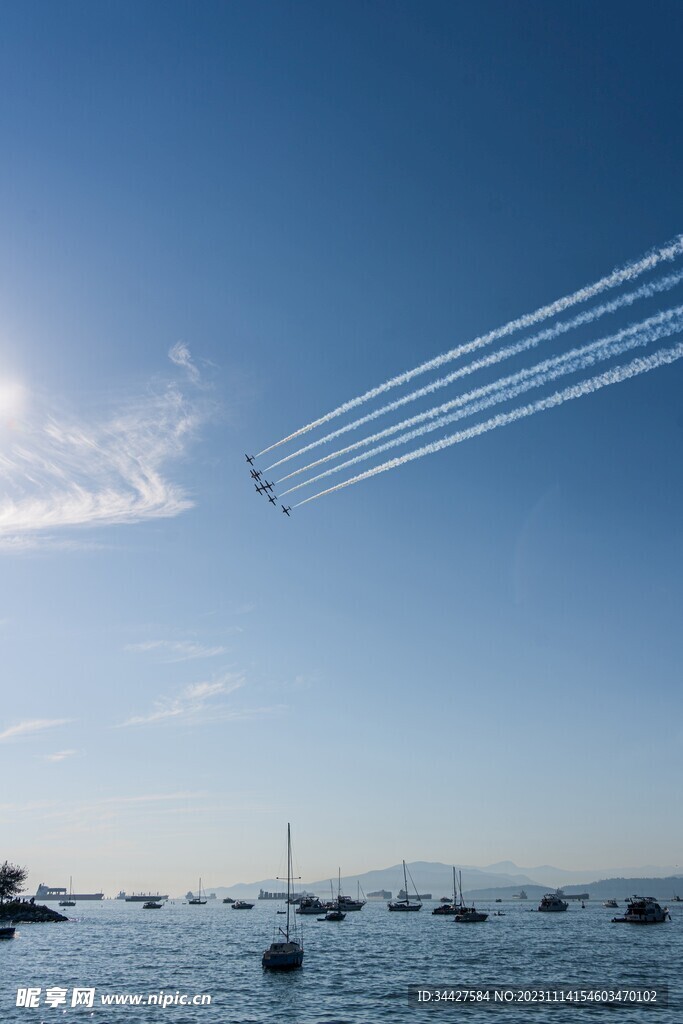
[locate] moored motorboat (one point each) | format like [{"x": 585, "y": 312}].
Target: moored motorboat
[
  {"x": 311, "y": 905},
  {"x": 470, "y": 915},
  {"x": 7, "y": 931},
  {"x": 643, "y": 910},
  {"x": 611, "y": 904},
  {"x": 152, "y": 905},
  {"x": 242, "y": 905},
  {"x": 552, "y": 902},
  {"x": 287, "y": 955},
  {"x": 333, "y": 915},
  {"x": 348, "y": 903}
]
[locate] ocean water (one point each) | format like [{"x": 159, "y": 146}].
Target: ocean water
[{"x": 355, "y": 972}]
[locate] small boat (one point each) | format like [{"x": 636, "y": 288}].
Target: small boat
[
  {"x": 334, "y": 910},
  {"x": 310, "y": 905},
  {"x": 676, "y": 899},
  {"x": 643, "y": 910},
  {"x": 198, "y": 901},
  {"x": 405, "y": 904},
  {"x": 469, "y": 915},
  {"x": 7, "y": 931},
  {"x": 69, "y": 902},
  {"x": 499, "y": 899},
  {"x": 347, "y": 903},
  {"x": 552, "y": 902},
  {"x": 242, "y": 905},
  {"x": 228, "y": 899},
  {"x": 611, "y": 904},
  {"x": 333, "y": 915},
  {"x": 152, "y": 905},
  {"x": 449, "y": 907},
  {"x": 287, "y": 955}
]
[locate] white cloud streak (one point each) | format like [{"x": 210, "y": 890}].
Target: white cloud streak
[
  {"x": 614, "y": 376},
  {"x": 192, "y": 703},
  {"x": 172, "y": 651},
  {"x": 31, "y": 726},
  {"x": 671, "y": 251}
]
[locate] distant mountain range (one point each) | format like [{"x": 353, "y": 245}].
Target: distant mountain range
[{"x": 497, "y": 880}]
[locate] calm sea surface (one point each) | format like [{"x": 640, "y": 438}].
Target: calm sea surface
[{"x": 354, "y": 972}]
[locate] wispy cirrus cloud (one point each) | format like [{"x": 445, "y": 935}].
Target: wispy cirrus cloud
[
  {"x": 180, "y": 355},
  {"x": 60, "y": 755},
  {"x": 177, "y": 650},
  {"x": 58, "y": 472},
  {"x": 31, "y": 726},
  {"x": 192, "y": 703}
]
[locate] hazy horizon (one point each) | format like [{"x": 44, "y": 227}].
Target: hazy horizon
[{"x": 221, "y": 222}]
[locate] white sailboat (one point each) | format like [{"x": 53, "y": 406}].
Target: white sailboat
[
  {"x": 287, "y": 955},
  {"x": 406, "y": 904},
  {"x": 69, "y": 902},
  {"x": 198, "y": 901}
]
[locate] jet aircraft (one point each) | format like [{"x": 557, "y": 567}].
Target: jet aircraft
[
  {"x": 286, "y": 509},
  {"x": 269, "y": 486},
  {"x": 255, "y": 473},
  {"x": 271, "y": 499},
  {"x": 260, "y": 488},
  {"x": 250, "y": 458}
]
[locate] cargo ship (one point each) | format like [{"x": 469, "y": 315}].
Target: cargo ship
[
  {"x": 52, "y": 892},
  {"x": 144, "y": 897}
]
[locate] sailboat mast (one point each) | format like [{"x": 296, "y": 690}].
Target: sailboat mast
[
  {"x": 289, "y": 873},
  {"x": 405, "y": 881}
]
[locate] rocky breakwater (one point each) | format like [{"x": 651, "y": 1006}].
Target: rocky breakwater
[{"x": 23, "y": 910}]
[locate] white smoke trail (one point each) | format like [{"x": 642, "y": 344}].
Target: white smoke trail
[
  {"x": 671, "y": 251},
  {"x": 590, "y": 316},
  {"x": 662, "y": 326},
  {"x": 642, "y": 364},
  {"x": 495, "y": 386}
]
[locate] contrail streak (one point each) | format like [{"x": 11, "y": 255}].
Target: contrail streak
[
  {"x": 661, "y": 326},
  {"x": 620, "y": 373},
  {"x": 591, "y": 315},
  {"x": 629, "y": 272},
  {"x": 647, "y": 291}
]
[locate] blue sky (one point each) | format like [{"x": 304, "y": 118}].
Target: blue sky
[{"x": 219, "y": 222}]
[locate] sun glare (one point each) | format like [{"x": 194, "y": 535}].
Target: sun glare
[{"x": 11, "y": 401}]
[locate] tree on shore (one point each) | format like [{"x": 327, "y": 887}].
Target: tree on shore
[{"x": 12, "y": 879}]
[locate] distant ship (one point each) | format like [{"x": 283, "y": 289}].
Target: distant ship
[
  {"x": 403, "y": 895},
  {"x": 521, "y": 895},
  {"x": 143, "y": 897},
  {"x": 573, "y": 895},
  {"x": 52, "y": 892}
]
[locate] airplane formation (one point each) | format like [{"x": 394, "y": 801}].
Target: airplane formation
[{"x": 263, "y": 486}]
